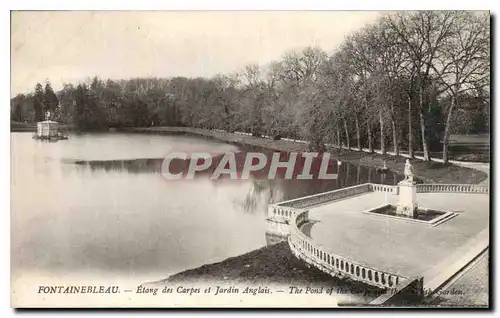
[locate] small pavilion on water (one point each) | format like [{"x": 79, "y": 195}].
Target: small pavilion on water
[{"x": 47, "y": 128}]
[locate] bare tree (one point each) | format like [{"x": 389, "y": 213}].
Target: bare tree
[
  {"x": 355, "y": 67},
  {"x": 391, "y": 62},
  {"x": 423, "y": 34},
  {"x": 302, "y": 66},
  {"x": 463, "y": 65}
]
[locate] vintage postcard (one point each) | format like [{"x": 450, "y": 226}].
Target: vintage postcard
[{"x": 216, "y": 159}]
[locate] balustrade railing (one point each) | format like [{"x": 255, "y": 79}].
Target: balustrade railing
[
  {"x": 384, "y": 188},
  {"x": 285, "y": 210},
  {"x": 326, "y": 196},
  {"x": 304, "y": 247},
  {"x": 294, "y": 213},
  {"x": 452, "y": 188},
  {"x": 282, "y": 213}
]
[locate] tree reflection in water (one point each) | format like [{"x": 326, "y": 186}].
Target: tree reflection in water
[{"x": 264, "y": 192}]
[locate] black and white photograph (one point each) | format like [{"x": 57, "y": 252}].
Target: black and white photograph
[{"x": 250, "y": 159}]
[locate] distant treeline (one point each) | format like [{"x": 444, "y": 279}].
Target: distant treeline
[{"x": 407, "y": 81}]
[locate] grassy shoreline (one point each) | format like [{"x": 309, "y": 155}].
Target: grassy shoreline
[
  {"x": 429, "y": 172},
  {"x": 31, "y": 127}
]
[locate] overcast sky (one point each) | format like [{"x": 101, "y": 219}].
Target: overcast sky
[{"x": 71, "y": 46}]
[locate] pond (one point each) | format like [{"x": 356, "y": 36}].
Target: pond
[{"x": 97, "y": 219}]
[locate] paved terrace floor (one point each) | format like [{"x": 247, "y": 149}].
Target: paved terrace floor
[{"x": 395, "y": 245}]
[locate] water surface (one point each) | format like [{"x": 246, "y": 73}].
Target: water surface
[{"x": 99, "y": 220}]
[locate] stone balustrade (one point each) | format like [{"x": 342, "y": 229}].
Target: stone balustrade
[
  {"x": 375, "y": 187},
  {"x": 286, "y": 209},
  {"x": 294, "y": 214},
  {"x": 452, "y": 188},
  {"x": 304, "y": 248},
  {"x": 283, "y": 213},
  {"x": 319, "y": 198}
]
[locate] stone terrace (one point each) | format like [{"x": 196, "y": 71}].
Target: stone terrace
[{"x": 393, "y": 245}]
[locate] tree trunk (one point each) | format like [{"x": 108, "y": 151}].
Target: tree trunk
[
  {"x": 447, "y": 129},
  {"x": 348, "y": 143},
  {"x": 358, "y": 174},
  {"x": 370, "y": 138},
  {"x": 410, "y": 130},
  {"x": 395, "y": 139},
  {"x": 358, "y": 133},
  {"x": 337, "y": 181},
  {"x": 347, "y": 172},
  {"x": 338, "y": 137},
  {"x": 382, "y": 133},
  {"x": 422, "y": 125}
]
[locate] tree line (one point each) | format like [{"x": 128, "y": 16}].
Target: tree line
[{"x": 407, "y": 81}]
